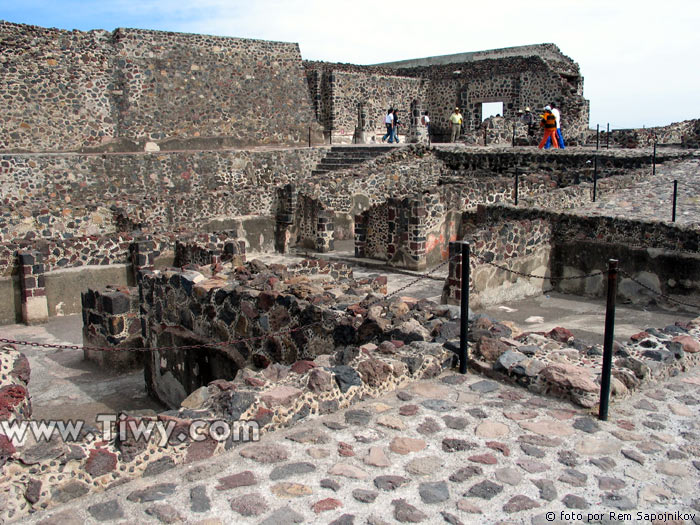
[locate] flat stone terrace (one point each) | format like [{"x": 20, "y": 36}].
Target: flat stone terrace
[
  {"x": 651, "y": 197},
  {"x": 457, "y": 449}
]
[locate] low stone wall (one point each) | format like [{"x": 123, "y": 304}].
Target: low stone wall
[
  {"x": 558, "y": 364},
  {"x": 244, "y": 304},
  {"x": 554, "y": 245},
  {"x": 522, "y": 246},
  {"x": 15, "y": 403},
  {"x": 408, "y": 233},
  {"x": 683, "y": 134}
]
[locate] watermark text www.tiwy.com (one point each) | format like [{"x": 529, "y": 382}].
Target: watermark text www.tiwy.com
[{"x": 130, "y": 429}]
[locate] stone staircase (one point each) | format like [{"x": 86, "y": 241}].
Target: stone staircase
[{"x": 341, "y": 157}]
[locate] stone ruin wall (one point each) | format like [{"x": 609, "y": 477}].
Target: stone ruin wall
[
  {"x": 517, "y": 81},
  {"x": 550, "y": 243},
  {"x": 685, "y": 134},
  {"x": 69, "y": 90}
]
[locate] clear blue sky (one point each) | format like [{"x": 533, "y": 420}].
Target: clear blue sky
[{"x": 637, "y": 56}]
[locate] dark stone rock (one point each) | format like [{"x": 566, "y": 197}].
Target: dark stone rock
[
  {"x": 327, "y": 483},
  {"x": 451, "y": 518},
  {"x": 509, "y": 359},
  {"x": 434, "y": 492},
  {"x": 618, "y": 501},
  {"x": 540, "y": 441},
  {"x": 357, "y": 417},
  {"x": 532, "y": 451},
  {"x": 407, "y": 513},
  {"x": 457, "y": 445},
  {"x": 404, "y": 396},
  {"x": 486, "y": 490},
  {"x": 346, "y": 377},
  {"x": 291, "y": 469},
  {"x": 477, "y": 413},
  {"x": 586, "y": 424},
  {"x": 455, "y": 422},
  {"x": 152, "y": 493},
  {"x": 633, "y": 455},
  {"x": 389, "y": 483},
  {"x": 572, "y": 501},
  {"x": 283, "y": 516},
  {"x": 573, "y": 477},
  {"x": 438, "y": 405},
  {"x": 241, "y": 479},
  {"x": 484, "y": 387},
  {"x": 428, "y": 426},
  {"x": 548, "y": 491},
  {"x": 108, "y": 511},
  {"x": 199, "y": 501},
  {"x": 466, "y": 472},
  {"x": 607, "y": 483},
  {"x": 238, "y": 403},
  {"x": 69, "y": 490},
  {"x": 568, "y": 458},
  {"x": 252, "y": 504},
  {"x": 158, "y": 466},
  {"x": 453, "y": 379},
  {"x": 519, "y": 503},
  {"x": 345, "y": 519},
  {"x": 365, "y": 496},
  {"x": 33, "y": 491},
  {"x": 604, "y": 463}
]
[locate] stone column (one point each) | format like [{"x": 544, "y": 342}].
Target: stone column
[
  {"x": 451, "y": 291},
  {"x": 35, "y": 308},
  {"x": 416, "y": 242},
  {"x": 286, "y": 206},
  {"x": 361, "y": 234},
  {"x": 143, "y": 254},
  {"x": 417, "y": 132},
  {"x": 325, "y": 227}
]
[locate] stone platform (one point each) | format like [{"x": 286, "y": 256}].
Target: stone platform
[{"x": 455, "y": 449}]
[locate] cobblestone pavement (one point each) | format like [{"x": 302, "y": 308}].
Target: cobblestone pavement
[
  {"x": 651, "y": 198},
  {"x": 456, "y": 449}
]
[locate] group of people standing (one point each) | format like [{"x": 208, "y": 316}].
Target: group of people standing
[
  {"x": 551, "y": 122},
  {"x": 392, "y": 126}
]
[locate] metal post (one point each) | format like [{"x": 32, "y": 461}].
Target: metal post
[
  {"x": 597, "y": 136},
  {"x": 653, "y": 161},
  {"x": 513, "y": 142},
  {"x": 516, "y": 186},
  {"x": 608, "y": 341},
  {"x": 595, "y": 176},
  {"x": 675, "y": 195},
  {"x": 607, "y": 137},
  {"x": 464, "y": 309},
  {"x": 309, "y": 136}
]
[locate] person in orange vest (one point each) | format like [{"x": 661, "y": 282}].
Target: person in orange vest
[{"x": 549, "y": 123}]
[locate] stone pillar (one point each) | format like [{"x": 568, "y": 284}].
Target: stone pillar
[
  {"x": 417, "y": 132},
  {"x": 111, "y": 319},
  {"x": 325, "y": 227},
  {"x": 393, "y": 227},
  {"x": 363, "y": 131},
  {"x": 286, "y": 204},
  {"x": 451, "y": 291},
  {"x": 234, "y": 251},
  {"x": 361, "y": 234},
  {"x": 416, "y": 241},
  {"x": 143, "y": 255},
  {"x": 35, "y": 308}
]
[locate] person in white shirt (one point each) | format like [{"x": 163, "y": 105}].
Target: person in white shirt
[{"x": 389, "y": 122}]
